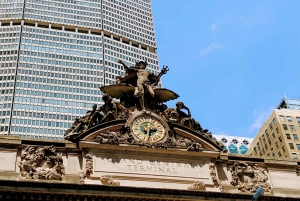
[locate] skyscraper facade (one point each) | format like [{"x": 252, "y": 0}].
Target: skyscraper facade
[
  {"x": 55, "y": 54},
  {"x": 279, "y": 135}
]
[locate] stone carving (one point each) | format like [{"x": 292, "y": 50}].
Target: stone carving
[
  {"x": 214, "y": 178},
  {"x": 108, "y": 181},
  {"x": 41, "y": 163},
  {"x": 109, "y": 137},
  {"x": 88, "y": 168},
  {"x": 189, "y": 144},
  {"x": 142, "y": 80},
  {"x": 194, "y": 146},
  {"x": 248, "y": 178},
  {"x": 111, "y": 110},
  {"x": 197, "y": 186},
  {"x": 140, "y": 95}
]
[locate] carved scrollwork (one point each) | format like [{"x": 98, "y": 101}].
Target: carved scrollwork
[
  {"x": 194, "y": 146},
  {"x": 214, "y": 178},
  {"x": 108, "y": 181},
  {"x": 197, "y": 186},
  {"x": 248, "y": 178},
  {"x": 41, "y": 163},
  {"x": 88, "y": 168},
  {"x": 109, "y": 137}
]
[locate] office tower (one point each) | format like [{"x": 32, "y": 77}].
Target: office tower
[
  {"x": 279, "y": 135},
  {"x": 235, "y": 144},
  {"x": 55, "y": 54}
]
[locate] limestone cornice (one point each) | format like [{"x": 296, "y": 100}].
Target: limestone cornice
[{"x": 34, "y": 190}]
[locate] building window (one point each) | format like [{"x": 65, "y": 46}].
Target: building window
[
  {"x": 271, "y": 127},
  {"x": 266, "y": 146},
  {"x": 288, "y": 136},
  {"x": 274, "y": 121},
  {"x": 289, "y": 118},
  {"x": 284, "y": 126},
  {"x": 291, "y": 145},
  {"x": 243, "y": 149},
  {"x": 277, "y": 130},
  {"x": 272, "y": 151},
  {"x": 233, "y": 149},
  {"x": 298, "y": 120},
  {"x": 235, "y": 141},
  {"x": 276, "y": 144},
  {"x": 224, "y": 148},
  {"x": 267, "y": 134},
  {"x": 294, "y": 155},
  {"x": 245, "y": 142},
  {"x": 298, "y": 146},
  {"x": 273, "y": 134},
  {"x": 283, "y": 148},
  {"x": 280, "y": 139},
  {"x": 279, "y": 154},
  {"x": 295, "y": 136},
  {"x": 224, "y": 140},
  {"x": 269, "y": 141},
  {"x": 292, "y": 127},
  {"x": 281, "y": 118}
]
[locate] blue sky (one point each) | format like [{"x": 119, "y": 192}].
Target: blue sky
[{"x": 231, "y": 62}]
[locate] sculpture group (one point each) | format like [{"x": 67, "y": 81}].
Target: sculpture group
[{"x": 137, "y": 95}]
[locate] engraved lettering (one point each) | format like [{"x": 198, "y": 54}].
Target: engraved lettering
[
  {"x": 174, "y": 171},
  {"x": 149, "y": 168},
  {"x": 161, "y": 169},
  {"x": 129, "y": 167},
  {"x": 168, "y": 170},
  {"x": 142, "y": 168},
  {"x": 135, "y": 168}
]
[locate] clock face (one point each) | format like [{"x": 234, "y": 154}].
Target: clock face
[{"x": 148, "y": 129}]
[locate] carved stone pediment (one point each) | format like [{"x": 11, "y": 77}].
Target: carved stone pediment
[
  {"x": 149, "y": 129},
  {"x": 41, "y": 163},
  {"x": 248, "y": 178}
]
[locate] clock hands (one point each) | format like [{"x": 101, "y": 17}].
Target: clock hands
[{"x": 148, "y": 129}]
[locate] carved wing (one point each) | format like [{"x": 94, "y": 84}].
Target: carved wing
[
  {"x": 118, "y": 90},
  {"x": 165, "y": 95}
]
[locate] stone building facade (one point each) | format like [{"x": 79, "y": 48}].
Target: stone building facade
[{"x": 35, "y": 170}]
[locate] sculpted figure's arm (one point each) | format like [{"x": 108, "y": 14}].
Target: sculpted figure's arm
[
  {"x": 189, "y": 113},
  {"x": 163, "y": 71},
  {"x": 124, "y": 65}
]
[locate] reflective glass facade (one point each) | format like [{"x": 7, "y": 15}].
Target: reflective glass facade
[{"x": 56, "y": 55}]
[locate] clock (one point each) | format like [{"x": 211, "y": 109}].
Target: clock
[{"x": 148, "y": 127}]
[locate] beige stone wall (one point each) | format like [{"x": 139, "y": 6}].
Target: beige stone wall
[{"x": 157, "y": 168}]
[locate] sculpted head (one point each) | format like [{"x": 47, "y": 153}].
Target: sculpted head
[
  {"x": 142, "y": 64},
  {"x": 106, "y": 98},
  {"x": 179, "y": 105}
]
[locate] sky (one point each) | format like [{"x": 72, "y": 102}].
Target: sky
[{"x": 232, "y": 61}]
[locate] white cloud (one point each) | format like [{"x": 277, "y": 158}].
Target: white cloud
[
  {"x": 210, "y": 48},
  {"x": 260, "y": 116},
  {"x": 213, "y": 26}
]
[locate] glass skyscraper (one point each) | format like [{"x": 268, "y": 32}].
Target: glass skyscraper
[{"x": 55, "y": 54}]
